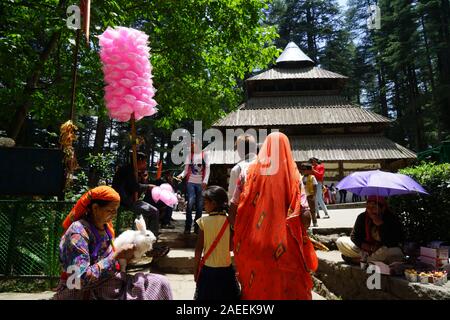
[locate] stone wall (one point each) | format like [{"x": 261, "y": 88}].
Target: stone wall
[{"x": 350, "y": 283}]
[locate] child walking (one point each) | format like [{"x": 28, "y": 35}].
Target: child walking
[
  {"x": 214, "y": 273},
  {"x": 310, "y": 183}
]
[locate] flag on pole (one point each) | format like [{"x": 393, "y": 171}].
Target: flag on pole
[{"x": 85, "y": 8}]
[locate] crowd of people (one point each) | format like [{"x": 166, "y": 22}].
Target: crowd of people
[{"x": 263, "y": 219}]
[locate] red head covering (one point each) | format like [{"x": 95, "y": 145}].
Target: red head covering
[
  {"x": 272, "y": 251},
  {"x": 81, "y": 207}
]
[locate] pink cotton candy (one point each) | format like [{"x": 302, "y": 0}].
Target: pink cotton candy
[
  {"x": 174, "y": 199},
  {"x": 166, "y": 197},
  {"x": 166, "y": 186},
  {"x": 129, "y": 89},
  {"x": 156, "y": 193}
]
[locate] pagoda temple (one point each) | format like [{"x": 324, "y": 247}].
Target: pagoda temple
[{"x": 304, "y": 101}]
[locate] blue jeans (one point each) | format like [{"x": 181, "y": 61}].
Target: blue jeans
[
  {"x": 319, "y": 199},
  {"x": 194, "y": 193}
]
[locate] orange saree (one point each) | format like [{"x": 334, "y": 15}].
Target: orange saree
[{"x": 272, "y": 252}]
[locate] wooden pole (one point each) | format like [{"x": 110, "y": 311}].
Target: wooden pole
[
  {"x": 134, "y": 146},
  {"x": 74, "y": 74}
]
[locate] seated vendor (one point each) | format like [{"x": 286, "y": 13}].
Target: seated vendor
[{"x": 377, "y": 233}]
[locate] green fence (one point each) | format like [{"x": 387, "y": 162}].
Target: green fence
[{"x": 30, "y": 232}]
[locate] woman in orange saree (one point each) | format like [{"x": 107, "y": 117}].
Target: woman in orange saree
[{"x": 273, "y": 255}]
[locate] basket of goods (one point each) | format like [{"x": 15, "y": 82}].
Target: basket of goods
[
  {"x": 440, "y": 278},
  {"x": 424, "y": 277},
  {"x": 411, "y": 275}
]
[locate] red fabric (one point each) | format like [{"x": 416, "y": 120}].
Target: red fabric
[
  {"x": 85, "y": 9},
  {"x": 272, "y": 252},
  {"x": 369, "y": 238},
  {"x": 326, "y": 196},
  {"x": 159, "y": 171},
  {"x": 319, "y": 172},
  {"x": 80, "y": 209}
]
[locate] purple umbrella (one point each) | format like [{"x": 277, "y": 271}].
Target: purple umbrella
[{"x": 379, "y": 183}]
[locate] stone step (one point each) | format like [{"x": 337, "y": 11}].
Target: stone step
[
  {"x": 351, "y": 205},
  {"x": 175, "y": 238},
  {"x": 181, "y": 262},
  {"x": 177, "y": 261},
  {"x": 330, "y": 231}
]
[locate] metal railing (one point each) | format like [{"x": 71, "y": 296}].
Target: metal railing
[{"x": 30, "y": 232}]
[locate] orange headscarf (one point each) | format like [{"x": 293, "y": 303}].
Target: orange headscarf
[
  {"x": 273, "y": 254},
  {"x": 80, "y": 209}
]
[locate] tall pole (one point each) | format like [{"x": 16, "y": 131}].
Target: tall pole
[
  {"x": 74, "y": 74},
  {"x": 134, "y": 146}
]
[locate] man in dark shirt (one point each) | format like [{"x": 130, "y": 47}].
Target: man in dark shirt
[
  {"x": 124, "y": 182},
  {"x": 377, "y": 233},
  {"x": 165, "y": 210}
]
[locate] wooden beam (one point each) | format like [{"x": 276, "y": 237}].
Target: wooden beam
[{"x": 341, "y": 170}]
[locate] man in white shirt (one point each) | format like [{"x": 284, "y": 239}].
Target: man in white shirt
[
  {"x": 246, "y": 147},
  {"x": 196, "y": 171}
]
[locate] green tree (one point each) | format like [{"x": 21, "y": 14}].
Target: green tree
[{"x": 200, "y": 51}]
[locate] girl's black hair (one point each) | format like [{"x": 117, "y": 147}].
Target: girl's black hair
[{"x": 218, "y": 195}]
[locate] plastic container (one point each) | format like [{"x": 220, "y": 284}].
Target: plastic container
[
  {"x": 424, "y": 279},
  {"x": 411, "y": 277}
]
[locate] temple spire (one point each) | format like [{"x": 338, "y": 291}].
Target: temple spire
[{"x": 293, "y": 56}]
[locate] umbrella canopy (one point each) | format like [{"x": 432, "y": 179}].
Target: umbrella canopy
[{"x": 379, "y": 183}]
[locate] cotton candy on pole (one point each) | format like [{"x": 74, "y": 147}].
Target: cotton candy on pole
[{"x": 125, "y": 55}]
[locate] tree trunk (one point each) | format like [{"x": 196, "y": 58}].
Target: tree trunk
[
  {"x": 396, "y": 103},
  {"x": 382, "y": 90},
  {"x": 416, "y": 109},
  {"x": 443, "y": 54},
  {"x": 110, "y": 134},
  {"x": 309, "y": 32},
  {"x": 32, "y": 81},
  {"x": 31, "y": 85},
  {"x": 100, "y": 134},
  {"x": 427, "y": 50}
]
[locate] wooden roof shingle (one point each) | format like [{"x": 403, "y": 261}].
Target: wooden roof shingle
[
  {"x": 298, "y": 110},
  {"x": 331, "y": 148},
  {"x": 310, "y": 72}
]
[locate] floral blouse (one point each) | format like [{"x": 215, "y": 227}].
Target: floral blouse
[{"x": 77, "y": 248}]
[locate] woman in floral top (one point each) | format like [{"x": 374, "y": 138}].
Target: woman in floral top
[{"x": 89, "y": 260}]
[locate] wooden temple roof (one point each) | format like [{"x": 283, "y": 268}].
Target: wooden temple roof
[
  {"x": 298, "y": 110},
  {"x": 296, "y": 73},
  {"x": 330, "y": 148}
]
